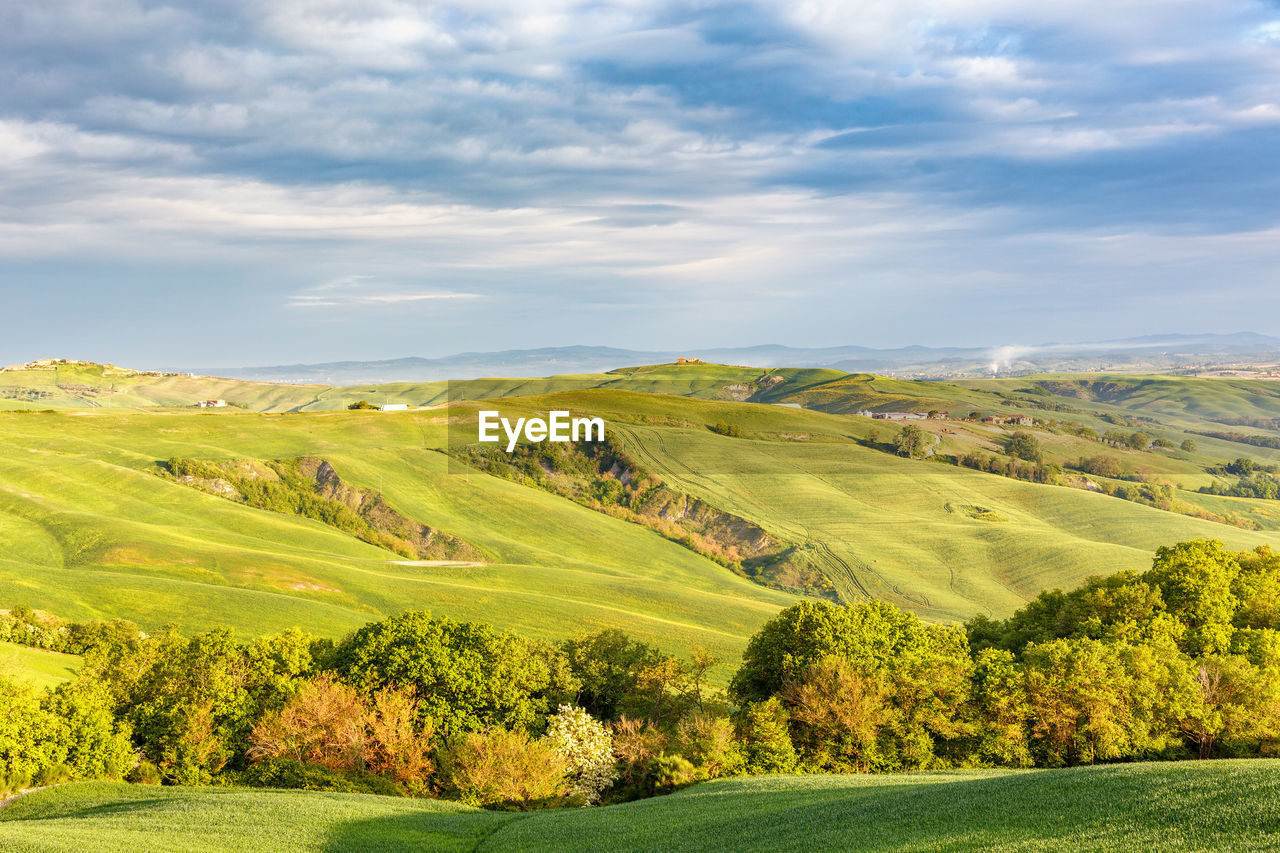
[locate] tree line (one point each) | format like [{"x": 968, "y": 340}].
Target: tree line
[{"x": 1180, "y": 661}]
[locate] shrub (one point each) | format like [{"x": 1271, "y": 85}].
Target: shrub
[
  {"x": 707, "y": 740},
  {"x": 323, "y": 724},
  {"x": 588, "y": 747},
  {"x": 636, "y": 743},
  {"x": 293, "y": 774},
  {"x": 330, "y": 725},
  {"x": 501, "y": 768},
  {"x": 766, "y": 742},
  {"x": 144, "y": 773}
]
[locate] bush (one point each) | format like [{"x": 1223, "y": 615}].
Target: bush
[
  {"x": 722, "y": 428},
  {"x": 144, "y": 773},
  {"x": 766, "y": 742},
  {"x": 707, "y": 740},
  {"x": 293, "y": 774},
  {"x": 500, "y": 768},
  {"x": 330, "y": 725},
  {"x": 588, "y": 747}
]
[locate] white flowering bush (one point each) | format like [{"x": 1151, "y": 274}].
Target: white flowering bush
[{"x": 587, "y": 745}]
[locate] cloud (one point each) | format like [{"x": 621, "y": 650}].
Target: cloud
[
  {"x": 582, "y": 156},
  {"x": 356, "y": 291}
]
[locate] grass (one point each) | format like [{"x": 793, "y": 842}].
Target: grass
[
  {"x": 36, "y": 667},
  {"x": 111, "y": 817},
  {"x": 1220, "y": 805}
]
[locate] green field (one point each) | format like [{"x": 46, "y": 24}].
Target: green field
[
  {"x": 90, "y": 531},
  {"x": 1220, "y": 805},
  {"x": 36, "y": 667}
]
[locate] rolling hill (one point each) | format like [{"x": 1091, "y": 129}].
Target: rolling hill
[
  {"x": 1221, "y": 805},
  {"x": 92, "y": 528}
]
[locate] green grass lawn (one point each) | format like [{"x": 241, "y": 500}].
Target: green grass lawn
[
  {"x": 36, "y": 666},
  {"x": 1191, "y": 806}
]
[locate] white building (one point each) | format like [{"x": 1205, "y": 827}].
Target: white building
[{"x": 393, "y": 407}]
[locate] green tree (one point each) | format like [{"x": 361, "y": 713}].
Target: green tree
[
  {"x": 1077, "y": 692},
  {"x": 766, "y": 741},
  {"x": 1003, "y": 714},
  {"x": 927, "y": 666},
  {"x": 1139, "y": 440},
  {"x": 911, "y": 441},
  {"x": 1195, "y": 579},
  {"x": 1024, "y": 445},
  {"x": 607, "y": 666},
  {"x": 466, "y": 674},
  {"x": 1188, "y": 445}
]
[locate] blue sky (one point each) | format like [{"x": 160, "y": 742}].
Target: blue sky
[{"x": 231, "y": 183}]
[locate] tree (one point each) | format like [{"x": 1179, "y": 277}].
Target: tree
[
  {"x": 766, "y": 742},
  {"x": 607, "y": 666},
  {"x": 1077, "y": 693},
  {"x": 1188, "y": 445},
  {"x": 927, "y": 667},
  {"x": 911, "y": 441},
  {"x": 361, "y": 404},
  {"x": 1138, "y": 440},
  {"x": 324, "y": 723},
  {"x": 1000, "y": 696},
  {"x": 466, "y": 675},
  {"x": 1195, "y": 579},
  {"x": 840, "y": 713},
  {"x": 1024, "y": 445}
]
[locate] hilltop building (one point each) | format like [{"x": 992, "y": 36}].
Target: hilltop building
[
  {"x": 393, "y": 407},
  {"x": 212, "y": 404}
]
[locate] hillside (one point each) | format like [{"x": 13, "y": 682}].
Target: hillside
[
  {"x": 36, "y": 667},
  {"x": 1221, "y": 805},
  {"x": 93, "y": 528}
]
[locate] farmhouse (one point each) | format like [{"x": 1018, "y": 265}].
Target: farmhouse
[
  {"x": 992, "y": 419},
  {"x": 900, "y": 416},
  {"x": 1021, "y": 420},
  {"x": 212, "y": 404},
  {"x": 393, "y": 407}
]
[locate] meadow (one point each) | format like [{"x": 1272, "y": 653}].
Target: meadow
[{"x": 1221, "y": 805}]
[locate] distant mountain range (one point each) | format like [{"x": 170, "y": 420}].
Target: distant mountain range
[{"x": 1150, "y": 353}]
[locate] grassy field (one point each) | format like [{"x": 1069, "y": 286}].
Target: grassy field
[
  {"x": 36, "y": 666},
  {"x": 89, "y": 531},
  {"x": 1220, "y": 805},
  {"x": 115, "y": 818}
]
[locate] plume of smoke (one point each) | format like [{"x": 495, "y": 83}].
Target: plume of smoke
[{"x": 1004, "y": 357}]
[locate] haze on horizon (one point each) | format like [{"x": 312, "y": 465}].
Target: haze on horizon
[{"x": 240, "y": 183}]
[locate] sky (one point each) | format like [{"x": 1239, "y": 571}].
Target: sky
[{"x": 240, "y": 183}]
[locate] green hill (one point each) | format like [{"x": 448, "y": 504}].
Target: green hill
[
  {"x": 37, "y": 667},
  {"x": 91, "y": 530},
  {"x": 1221, "y": 805}
]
